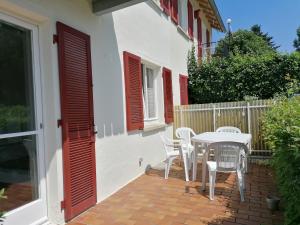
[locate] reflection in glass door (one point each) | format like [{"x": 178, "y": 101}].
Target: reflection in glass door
[{"x": 21, "y": 158}]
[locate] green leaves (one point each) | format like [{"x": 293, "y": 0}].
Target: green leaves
[
  {"x": 243, "y": 42},
  {"x": 281, "y": 129},
  {"x": 2, "y": 196},
  {"x": 233, "y": 78},
  {"x": 297, "y": 40}
]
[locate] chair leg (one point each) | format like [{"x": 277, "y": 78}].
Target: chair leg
[
  {"x": 212, "y": 182},
  {"x": 186, "y": 166},
  {"x": 167, "y": 168},
  {"x": 168, "y": 164},
  {"x": 191, "y": 159},
  {"x": 246, "y": 164},
  {"x": 240, "y": 182}
]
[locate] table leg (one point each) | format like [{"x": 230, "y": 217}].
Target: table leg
[
  {"x": 204, "y": 160},
  {"x": 195, "y": 153}
]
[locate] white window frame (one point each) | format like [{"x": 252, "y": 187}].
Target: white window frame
[
  {"x": 37, "y": 209},
  {"x": 145, "y": 67}
]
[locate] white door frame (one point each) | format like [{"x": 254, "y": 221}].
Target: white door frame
[{"x": 34, "y": 212}]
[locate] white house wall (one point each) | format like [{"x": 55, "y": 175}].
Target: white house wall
[{"x": 142, "y": 29}]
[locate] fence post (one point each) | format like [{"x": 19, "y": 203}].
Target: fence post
[
  {"x": 181, "y": 117},
  {"x": 214, "y": 116},
  {"x": 249, "y": 117}
]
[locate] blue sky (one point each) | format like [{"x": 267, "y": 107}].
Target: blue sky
[{"x": 280, "y": 18}]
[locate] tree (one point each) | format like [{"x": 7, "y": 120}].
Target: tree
[
  {"x": 243, "y": 42},
  {"x": 269, "y": 39},
  {"x": 297, "y": 40}
]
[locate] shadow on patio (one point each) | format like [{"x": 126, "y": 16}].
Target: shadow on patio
[{"x": 152, "y": 200}]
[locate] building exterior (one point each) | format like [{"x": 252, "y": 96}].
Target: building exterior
[{"x": 86, "y": 90}]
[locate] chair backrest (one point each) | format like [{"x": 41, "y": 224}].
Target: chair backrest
[
  {"x": 228, "y": 155},
  {"x": 168, "y": 144},
  {"x": 229, "y": 129},
  {"x": 184, "y": 134}
]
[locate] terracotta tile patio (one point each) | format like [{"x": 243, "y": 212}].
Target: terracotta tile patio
[{"x": 152, "y": 200}]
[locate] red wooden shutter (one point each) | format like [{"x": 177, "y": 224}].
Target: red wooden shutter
[
  {"x": 168, "y": 95},
  {"x": 199, "y": 36},
  {"x": 174, "y": 11},
  {"x": 190, "y": 20},
  {"x": 207, "y": 38},
  {"x": 79, "y": 164},
  {"x": 165, "y": 4},
  {"x": 183, "y": 81},
  {"x": 133, "y": 91}
]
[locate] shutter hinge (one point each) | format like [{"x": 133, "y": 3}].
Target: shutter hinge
[
  {"x": 62, "y": 205},
  {"x": 55, "y": 38},
  {"x": 59, "y": 123}
]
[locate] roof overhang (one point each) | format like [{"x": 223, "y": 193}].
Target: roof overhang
[
  {"x": 101, "y": 7},
  {"x": 209, "y": 8}
]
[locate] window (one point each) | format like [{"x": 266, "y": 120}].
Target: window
[{"x": 149, "y": 93}]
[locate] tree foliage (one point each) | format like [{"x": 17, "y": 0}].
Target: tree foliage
[
  {"x": 256, "y": 29},
  {"x": 297, "y": 40},
  {"x": 243, "y": 42},
  {"x": 281, "y": 128},
  {"x": 233, "y": 78}
]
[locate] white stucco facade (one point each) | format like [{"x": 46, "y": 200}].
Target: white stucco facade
[{"x": 141, "y": 29}]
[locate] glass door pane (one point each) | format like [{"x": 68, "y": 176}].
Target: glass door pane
[
  {"x": 18, "y": 171},
  {"x": 18, "y": 135},
  {"x": 16, "y": 80}
]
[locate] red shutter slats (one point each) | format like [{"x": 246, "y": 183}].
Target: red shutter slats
[
  {"x": 199, "y": 37},
  {"x": 183, "y": 81},
  {"x": 133, "y": 89},
  {"x": 207, "y": 38},
  {"x": 165, "y": 4},
  {"x": 168, "y": 95},
  {"x": 174, "y": 11},
  {"x": 77, "y": 120},
  {"x": 190, "y": 19}
]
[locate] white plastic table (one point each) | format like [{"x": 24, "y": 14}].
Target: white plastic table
[{"x": 211, "y": 137}]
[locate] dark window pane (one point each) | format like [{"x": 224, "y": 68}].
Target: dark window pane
[
  {"x": 16, "y": 80},
  {"x": 18, "y": 171}
]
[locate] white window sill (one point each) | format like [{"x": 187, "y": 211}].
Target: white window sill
[
  {"x": 154, "y": 126},
  {"x": 183, "y": 32}
]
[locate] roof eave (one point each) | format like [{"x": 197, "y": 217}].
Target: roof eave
[{"x": 215, "y": 8}]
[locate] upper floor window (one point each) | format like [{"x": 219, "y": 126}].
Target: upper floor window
[{"x": 149, "y": 92}]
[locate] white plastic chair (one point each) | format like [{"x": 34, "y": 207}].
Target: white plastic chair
[
  {"x": 229, "y": 129},
  {"x": 227, "y": 159},
  {"x": 172, "y": 152},
  {"x": 184, "y": 134}
]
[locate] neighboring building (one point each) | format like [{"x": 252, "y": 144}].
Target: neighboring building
[{"x": 85, "y": 92}]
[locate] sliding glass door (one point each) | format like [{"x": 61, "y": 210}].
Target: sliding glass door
[{"x": 22, "y": 172}]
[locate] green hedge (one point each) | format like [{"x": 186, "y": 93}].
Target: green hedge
[
  {"x": 281, "y": 128},
  {"x": 14, "y": 118},
  {"x": 233, "y": 78}
]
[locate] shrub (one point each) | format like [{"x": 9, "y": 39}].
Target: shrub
[
  {"x": 14, "y": 118},
  {"x": 281, "y": 128},
  {"x": 235, "y": 77}
]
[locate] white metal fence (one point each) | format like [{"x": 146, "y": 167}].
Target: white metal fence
[{"x": 244, "y": 115}]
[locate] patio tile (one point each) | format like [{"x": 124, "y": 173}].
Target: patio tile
[{"x": 152, "y": 200}]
